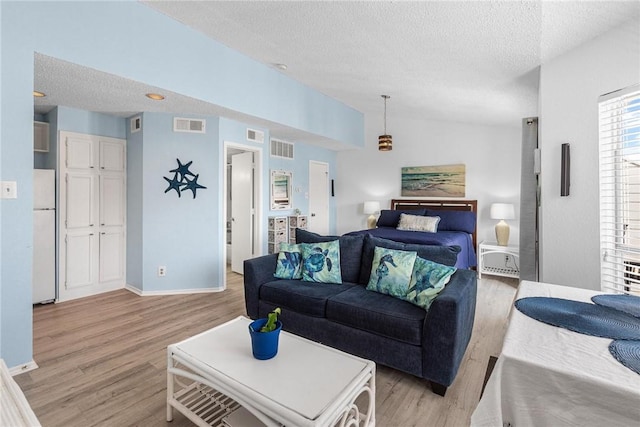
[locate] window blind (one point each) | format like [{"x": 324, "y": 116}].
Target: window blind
[{"x": 619, "y": 129}]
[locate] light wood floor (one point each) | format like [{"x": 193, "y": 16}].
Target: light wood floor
[{"x": 102, "y": 359}]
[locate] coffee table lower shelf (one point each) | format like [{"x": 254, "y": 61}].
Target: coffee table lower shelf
[{"x": 203, "y": 405}]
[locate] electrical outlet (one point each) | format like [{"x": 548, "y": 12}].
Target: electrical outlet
[
  {"x": 9, "y": 190},
  {"x": 162, "y": 271}
]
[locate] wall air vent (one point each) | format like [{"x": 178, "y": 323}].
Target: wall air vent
[
  {"x": 136, "y": 124},
  {"x": 255, "y": 135},
  {"x": 281, "y": 148},
  {"x": 189, "y": 125}
]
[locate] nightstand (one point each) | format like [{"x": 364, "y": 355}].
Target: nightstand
[{"x": 511, "y": 268}]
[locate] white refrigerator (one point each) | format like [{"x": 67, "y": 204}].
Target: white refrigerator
[{"x": 44, "y": 235}]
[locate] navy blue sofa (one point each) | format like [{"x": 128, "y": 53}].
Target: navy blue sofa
[{"x": 428, "y": 344}]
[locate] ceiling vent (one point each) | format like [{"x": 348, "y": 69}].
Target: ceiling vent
[
  {"x": 281, "y": 149},
  {"x": 188, "y": 125},
  {"x": 136, "y": 124},
  {"x": 255, "y": 135}
]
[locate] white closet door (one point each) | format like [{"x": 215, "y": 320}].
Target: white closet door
[
  {"x": 81, "y": 256},
  {"x": 112, "y": 200},
  {"x": 80, "y": 196},
  {"x": 111, "y": 255},
  {"x": 111, "y": 155},
  {"x": 80, "y": 152}
]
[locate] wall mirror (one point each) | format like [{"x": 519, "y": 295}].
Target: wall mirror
[{"x": 280, "y": 190}]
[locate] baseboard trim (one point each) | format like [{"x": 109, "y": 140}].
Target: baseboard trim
[
  {"x": 25, "y": 367},
  {"x": 171, "y": 291}
]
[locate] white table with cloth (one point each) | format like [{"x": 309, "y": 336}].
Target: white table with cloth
[{"x": 550, "y": 376}]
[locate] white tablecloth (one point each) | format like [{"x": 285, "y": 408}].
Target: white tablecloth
[{"x": 550, "y": 376}]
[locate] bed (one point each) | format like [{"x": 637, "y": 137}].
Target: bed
[{"x": 457, "y": 226}]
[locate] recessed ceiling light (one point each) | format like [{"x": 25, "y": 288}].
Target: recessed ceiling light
[
  {"x": 282, "y": 67},
  {"x": 39, "y": 94},
  {"x": 155, "y": 96}
]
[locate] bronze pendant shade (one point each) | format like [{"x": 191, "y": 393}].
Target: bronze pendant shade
[{"x": 385, "y": 142}]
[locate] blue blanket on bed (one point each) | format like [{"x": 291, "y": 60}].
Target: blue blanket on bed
[{"x": 466, "y": 257}]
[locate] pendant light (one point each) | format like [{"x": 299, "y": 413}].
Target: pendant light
[{"x": 384, "y": 141}]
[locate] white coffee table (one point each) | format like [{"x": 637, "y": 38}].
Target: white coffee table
[{"x": 306, "y": 384}]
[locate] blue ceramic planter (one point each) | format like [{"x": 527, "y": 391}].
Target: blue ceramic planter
[{"x": 264, "y": 344}]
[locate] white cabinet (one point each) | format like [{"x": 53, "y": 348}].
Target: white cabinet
[
  {"x": 92, "y": 215},
  {"x": 511, "y": 264},
  {"x": 41, "y": 137},
  {"x": 296, "y": 221},
  {"x": 277, "y": 233}
]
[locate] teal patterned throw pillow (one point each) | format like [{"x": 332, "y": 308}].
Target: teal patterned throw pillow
[
  {"x": 427, "y": 281},
  {"x": 321, "y": 262},
  {"x": 391, "y": 271},
  {"x": 289, "y": 262}
]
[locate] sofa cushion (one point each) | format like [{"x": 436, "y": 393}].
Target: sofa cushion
[
  {"x": 350, "y": 251},
  {"x": 303, "y": 297},
  {"x": 390, "y": 218},
  {"x": 377, "y": 313},
  {"x": 391, "y": 271},
  {"x": 321, "y": 262},
  {"x": 447, "y": 255},
  {"x": 427, "y": 281},
  {"x": 289, "y": 262}
]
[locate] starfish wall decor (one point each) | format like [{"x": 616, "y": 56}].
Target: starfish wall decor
[{"x": 180, "y": 182}]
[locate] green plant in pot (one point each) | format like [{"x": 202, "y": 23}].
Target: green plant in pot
[{"x": 265, "y": 333}]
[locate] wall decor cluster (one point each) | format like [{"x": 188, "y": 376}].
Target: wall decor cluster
[
  {"x": 433, "y": 181},
  {"x": 181, "y": 181}
]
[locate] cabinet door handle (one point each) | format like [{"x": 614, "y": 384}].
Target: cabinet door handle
[
  {"x": 90, "y": 225},
  {"x": 103, "y": 233}
]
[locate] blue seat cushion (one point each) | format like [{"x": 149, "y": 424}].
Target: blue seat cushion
[
  {"x": 308, "y": 298},
  {"x": 377, "y": 313}
]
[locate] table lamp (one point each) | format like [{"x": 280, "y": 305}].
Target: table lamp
[
  {"x": 371, "y": 208},
  {"x": 502, "y": 211}
]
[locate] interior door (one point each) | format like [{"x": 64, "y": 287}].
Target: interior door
[
  {"x": 242, "y": 210},
  {"x": 318, "y": 220}
]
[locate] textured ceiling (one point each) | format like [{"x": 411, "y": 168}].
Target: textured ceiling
[{"x": 470, "y": 61}]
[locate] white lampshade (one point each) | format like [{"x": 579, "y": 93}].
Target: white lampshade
[
  {"x": 371, "y": 207},
  {"x": 502, "y": 211}
]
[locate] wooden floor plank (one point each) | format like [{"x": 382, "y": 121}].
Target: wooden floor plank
[{"x": 102, "y": 359}]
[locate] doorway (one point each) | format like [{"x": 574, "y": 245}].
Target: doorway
[
  {"x": 242, "y": 202},
  {"x": 318, "y": 221}
]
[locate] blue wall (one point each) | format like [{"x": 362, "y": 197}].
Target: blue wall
[
  {"x": 99, "y": 35},
  {"x": 181, "y": 233}
]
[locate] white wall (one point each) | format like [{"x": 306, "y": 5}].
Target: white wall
[
  {"x": 491, "y": 155},
  {"x": 569, "y": 89}
]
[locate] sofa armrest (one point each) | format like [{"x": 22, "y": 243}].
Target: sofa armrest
[
  {"x": 257, "y": 271},
  {"x": 447, "y": 328}
]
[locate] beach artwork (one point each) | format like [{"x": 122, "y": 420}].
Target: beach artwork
[{"x": 433, "y": 181}]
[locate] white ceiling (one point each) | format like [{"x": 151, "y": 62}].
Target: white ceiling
[{"x": 469, "y": 61}]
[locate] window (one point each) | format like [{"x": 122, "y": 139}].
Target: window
[{"x": 619, "y": 125}]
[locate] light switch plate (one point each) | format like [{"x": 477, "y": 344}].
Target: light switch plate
[{"x": 9, "y": 190}]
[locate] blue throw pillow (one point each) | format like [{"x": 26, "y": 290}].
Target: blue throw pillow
[
  {"x": 455, "y": 220},
  {"x": 390, "y": 218},
  {"x": 391, "y": 272},
  {"x": 350, "y": 251},
  {"x": 447, "y": 255},
  {"x": 427, "y": 281},
  {"x": 321, "y": 262},
  {"x": 289, "y": 262}
]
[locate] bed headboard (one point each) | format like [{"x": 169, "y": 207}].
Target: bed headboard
[{"x": 440, "y": 204}]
